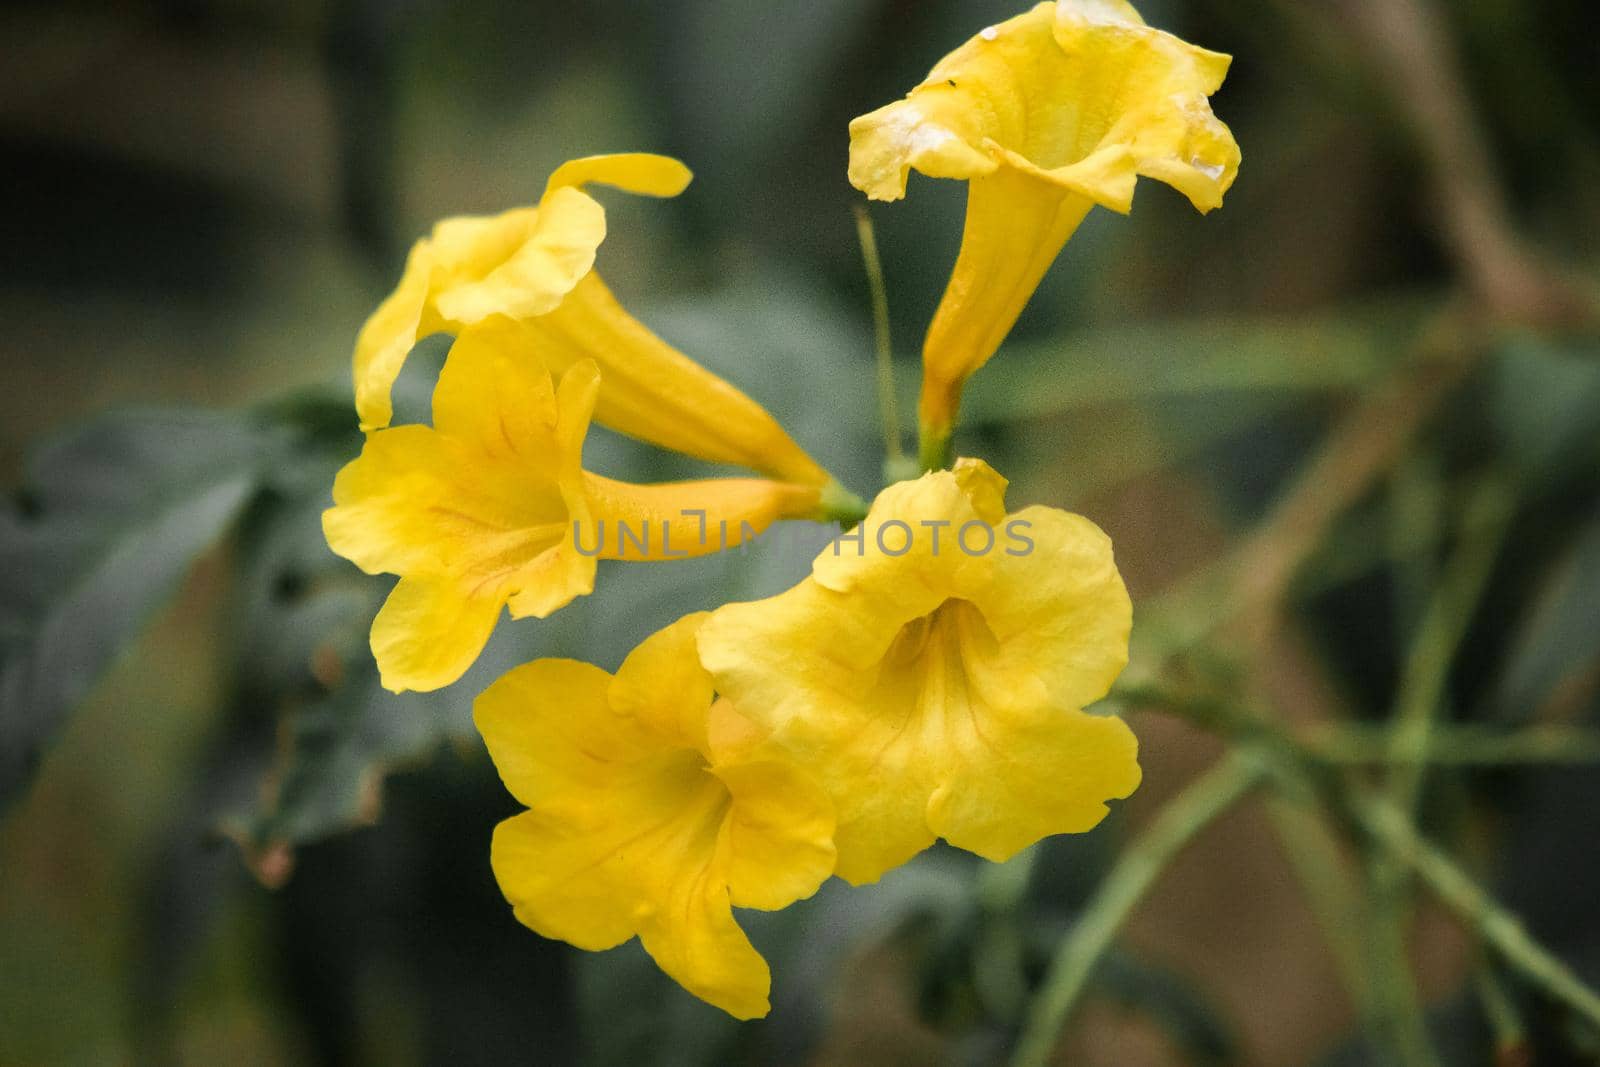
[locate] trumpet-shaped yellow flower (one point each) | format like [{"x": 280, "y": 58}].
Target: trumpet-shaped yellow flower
[
  {"x": 527, "y": 277},
  {"x": 932, "y": 673},
  {"x": 1045, "y": 115},
  {"x": 490, "y": 507},
  {"x": 651, "y": 814}
]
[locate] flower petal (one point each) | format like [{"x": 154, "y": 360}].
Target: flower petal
[
  {"x": 657, "y": 394},
  {"x": 550, "y": 730},
  {"x": 804, "y": 664},
  {"x": 888, "y": 144},
  {"x": 779, "y": 834},
  {"x": 532, "y": 854},
  {"x": 1016, "y": 226},
  {"x": 935, "y": 691},
  {"x": 1013, "y": 778},
  {"x": 421, "y": 503},
  {"x": 428, "y": 633},
  {"x": 493, "y": 393},
  {"x": 1061, "y": 610},
  {"x": 539, "y": 274},
  {"x": 458, "y": 250},
  {"x": 562, "y": 573},
  {"x": 627, "y": 832},
  {"x": 640, "y": 173},
  {"x": 387, "y": 339},
  {"x": 906, "y": 550},
  {"x": 1165, "y": 128},
  {"x": 695, "y": 940},
  {"x": 662, "y": 685}
]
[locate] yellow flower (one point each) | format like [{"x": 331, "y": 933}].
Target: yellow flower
[
  {"x": 932, "y": 672},
  {"x": 527, "y": 277},
  {"x": 651, "y": 815},
  {"x": 490, "y": 507},
  {"x": 1045, "y": 115}
]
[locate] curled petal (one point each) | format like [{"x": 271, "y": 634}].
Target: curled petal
[
  {"x": 536, "y": 277},
  {"x": 640, "y": 173},
  {"x": 387, "y": 339},
  {"x": 459, "y": 251}
]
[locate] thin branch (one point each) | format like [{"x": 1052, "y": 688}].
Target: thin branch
[
  {"x": 1443, "y": 627},
  {"x": 1420, "y": 67},
  {"x": 1298, "y": 775},
  {"x": 1358, "y": 451},
  {"x": 1310, "y": 844},
  {"x": 888, "y": 403},
  {"x": 1130, "y": 879},
  {"x": 1456, "y": 890},
  {"x": 1460, "y": 746},
  {"x": 1398, "y": 1021},
  {"x": 1510, "y": 1036}
]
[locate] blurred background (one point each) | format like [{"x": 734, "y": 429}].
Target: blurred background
[{"x": 1345, "y": 434}]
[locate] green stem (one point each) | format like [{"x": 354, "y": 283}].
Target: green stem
[
  {"x": 1443, "y": 628},
  {"x": 1500, "y": 1010},
  {"x": 888, "y": 407},
  {"x": 1312, "y": 849},
  {"x": 934, "y": 448},
  {"x": 840, "y": 505},
  {"x": 1463, "y": 746},
  {"x": 1400, "y": 1020},
  {"x": 1457, "y": 891},
  {"x": 1397, "y": 1019},
  {"x": 1299, "y": 775},
  {"x": 1135, "y": 872},
  {"x": 1000, "y": 956}
]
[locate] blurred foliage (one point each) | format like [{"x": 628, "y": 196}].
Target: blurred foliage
[{"x": 208, "y": 196}]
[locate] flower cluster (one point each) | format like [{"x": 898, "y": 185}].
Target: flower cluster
[{"x": 897, "y": 695}]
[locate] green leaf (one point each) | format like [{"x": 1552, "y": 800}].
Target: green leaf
[
  {"x": 1545, "y": 403},
  {"x": 1143, "y": 361},
  {"x": 304, "y": 662},
  {"x": 1560, "y": 643},
  {"x": 110, "y": 520}
]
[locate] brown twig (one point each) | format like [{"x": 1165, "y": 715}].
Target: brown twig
[
  {"x": 1418, "y": 64},
  {"x": 1364, "y": 445}
]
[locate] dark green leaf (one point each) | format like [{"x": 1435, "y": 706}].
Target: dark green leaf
[
  {"x": 1546, "y": 409},
  {"x": 1561, "y": 641},
  {"x": 110, "y": 519}
]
